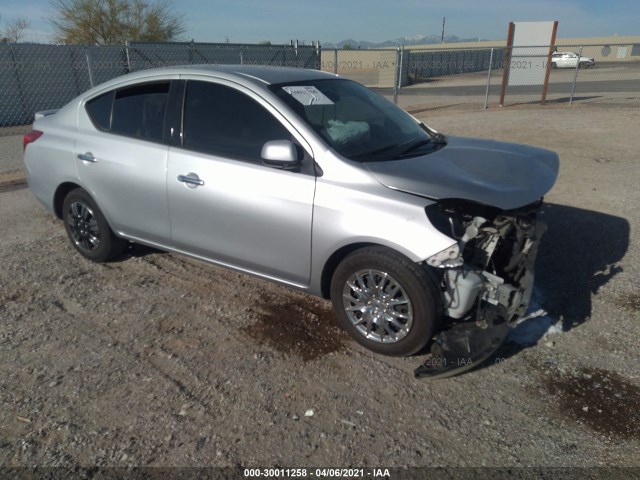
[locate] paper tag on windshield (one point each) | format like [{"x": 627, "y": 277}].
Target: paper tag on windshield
[{"x": 308, "y": 95}]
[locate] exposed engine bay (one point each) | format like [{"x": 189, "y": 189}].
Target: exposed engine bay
[{"x": 487, "y": 280}]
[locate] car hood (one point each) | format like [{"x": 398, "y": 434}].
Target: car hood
[{"x": 503, "y": 175}]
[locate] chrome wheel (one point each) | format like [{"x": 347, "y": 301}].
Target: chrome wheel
[
  {"x": 83, "y": 226},
  {"x": 377, "y": 306}
]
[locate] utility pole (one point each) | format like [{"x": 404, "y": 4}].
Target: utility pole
[{"x": 442, "y": 38}]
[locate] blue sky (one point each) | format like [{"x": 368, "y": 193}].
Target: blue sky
[{"x": 376, "y": 20}]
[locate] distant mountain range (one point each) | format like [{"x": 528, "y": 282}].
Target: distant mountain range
[{"x": 410, "y": 40}]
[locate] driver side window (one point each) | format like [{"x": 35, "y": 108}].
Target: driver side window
[{"x": 220, "y": 120}]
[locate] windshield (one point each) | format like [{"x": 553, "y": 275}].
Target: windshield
[{"x": 358, "y": 123}]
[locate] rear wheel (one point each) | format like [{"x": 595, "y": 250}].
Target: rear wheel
[
  {"x": 386, "y": 302},
  {"x": 87, "y": 228}
]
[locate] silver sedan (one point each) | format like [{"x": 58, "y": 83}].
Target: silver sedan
[{"x": 306, "y": 179}]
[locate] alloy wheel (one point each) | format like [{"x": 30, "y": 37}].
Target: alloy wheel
[
  {"x": 83, "y": 226},
  {"x": 378, "y": 306}
]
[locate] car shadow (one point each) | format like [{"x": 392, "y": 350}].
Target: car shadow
[
  {"x": 579, "y": 254},
  {"x": 136, "y": 250}
]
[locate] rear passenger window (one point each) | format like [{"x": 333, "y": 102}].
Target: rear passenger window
[
  {"x": 99, "y": 110},
  {"x": 139, "y": 111},
  {"x": 223, "y": 121}
]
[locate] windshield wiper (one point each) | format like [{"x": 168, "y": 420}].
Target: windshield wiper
[
  {"x": 436, "y": 136},
  {"x": 413, "y": 146},
  {"x": 376, "y": 151},
  {"x": 396, "y": 150}
]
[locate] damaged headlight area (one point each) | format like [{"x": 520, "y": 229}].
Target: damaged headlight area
[
  {"x": 488, "y": 286},
  {"x": 448, "y": 258}
]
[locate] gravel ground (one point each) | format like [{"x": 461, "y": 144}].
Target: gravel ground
[
  {"x": 159, "y": 360},
  {"x": 11, "y": 149}
]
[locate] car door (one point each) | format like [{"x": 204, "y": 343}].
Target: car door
[
  {"x": 227, "y": 206},
  {"x": 122, "y": 158}
]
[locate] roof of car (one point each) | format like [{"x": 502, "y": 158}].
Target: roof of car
[{"x": 261, "y": 74}]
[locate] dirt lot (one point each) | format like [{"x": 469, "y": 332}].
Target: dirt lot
[{"x": 158, "y": 360}]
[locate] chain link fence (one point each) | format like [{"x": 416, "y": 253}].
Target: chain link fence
[
  {"x": 42, "y": 77},
  {"x": 473, "y": 77}
]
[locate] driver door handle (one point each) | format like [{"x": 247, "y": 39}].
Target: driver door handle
[
  {"x": 191, "y": 179},
  {"x": 87, "y": 157}
]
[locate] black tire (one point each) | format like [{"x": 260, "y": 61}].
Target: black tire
[
  {"x": 554, "y": 65},
  {"x": 583, "y": 65},
  {"x": 87, "y": 228},
  {"x": 384, "y": 269}
]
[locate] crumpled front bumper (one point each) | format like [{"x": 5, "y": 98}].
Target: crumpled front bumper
[
  {"x": 500, "y": 299},
  {"x": 465, "y": 345}
]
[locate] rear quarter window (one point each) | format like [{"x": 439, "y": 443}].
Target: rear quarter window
[{"x": 99, "y": 110}]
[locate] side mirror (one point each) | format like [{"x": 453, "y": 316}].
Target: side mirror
[{"x": 280, "y": 154}]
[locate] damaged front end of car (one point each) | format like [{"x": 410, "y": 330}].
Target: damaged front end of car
[{"x": 486, "y": 278}]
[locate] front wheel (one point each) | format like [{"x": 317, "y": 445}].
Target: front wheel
[
  {"x": 88, "y": 229},
  {"x": 387, "y": 303}
]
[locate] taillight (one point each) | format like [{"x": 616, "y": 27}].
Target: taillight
[{"x": 30, "y": 137}]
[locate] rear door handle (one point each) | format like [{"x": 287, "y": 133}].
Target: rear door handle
[
  {"x": 87, "y": 157},
  {"x": 191, "y": 179}
]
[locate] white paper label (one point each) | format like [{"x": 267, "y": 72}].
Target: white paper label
[{"x": 308, "y": 95}]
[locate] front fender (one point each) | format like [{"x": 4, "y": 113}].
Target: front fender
[{"x": 343, "y": 217}]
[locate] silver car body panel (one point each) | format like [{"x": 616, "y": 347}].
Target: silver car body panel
[
  {"x": 129, "y": 178},
  {"x": 503, "y": 175},
  {"x": 251, "y": 216},
  {"x": 49, "y": 163},
  {"x": 350, "y": 208}
]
